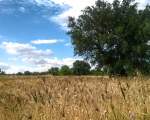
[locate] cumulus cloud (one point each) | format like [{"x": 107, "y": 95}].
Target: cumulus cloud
[
  {"x": 37, "y": 65},
  {"x": 21, "y": 68},
  {"x": 142, "y": 3},
  {"x": 69, "y": 8},
  {"x": 77, "y": 5},
  {"x": 52, "y": 41},
  {"x": 51, "y": 62},
  {"x": 68, "y": 44},
  {"x": 22, "y": 9},
  {"x": 75, "y": 8},
  {"x": 25, "y": 50},
  {"x": 47, "y": 3},
  {"x": 15, "y": 68},
  {"x": 46, "y": 63},
  {"x": 32, "y": 58}
]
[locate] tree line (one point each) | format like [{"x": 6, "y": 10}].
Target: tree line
[{"x": 79, "y": 67}]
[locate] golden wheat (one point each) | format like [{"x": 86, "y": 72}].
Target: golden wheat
[{"x": 74, "y": 98}]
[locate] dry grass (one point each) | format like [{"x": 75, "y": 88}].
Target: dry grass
[{"x": 74, "y": 98}]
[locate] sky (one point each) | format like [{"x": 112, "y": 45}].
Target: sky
[{"x": 33, "y": 33}]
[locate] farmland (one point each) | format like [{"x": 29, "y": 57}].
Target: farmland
[{"x": 74, "y": 98}]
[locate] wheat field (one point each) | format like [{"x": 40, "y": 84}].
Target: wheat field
[{"x": 74, "y": 98}]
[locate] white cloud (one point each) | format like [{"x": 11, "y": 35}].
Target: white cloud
[
  {"x": 22, "y": 9},
  {"x": 69, "y": 8},
  {"x": 75, "y": 7},
  {"x": 14, "y": 68},
  {"x": 25, "y": 50},
  {"x": 21, "y": 68},
  {"x": 53, "y": 41},
  {"x": 142, "y": 3},
  {"x": 37, "y": 65},
  {"x": 30, "y": 58},
  {"x": 47, "y": 3},
  {"x": 68, "y": 44},
  {"x": 4, "y": 66},
  {"x": 51, "y": 62}
]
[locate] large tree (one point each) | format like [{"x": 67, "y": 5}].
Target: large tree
[{"x": 113, "y": 36}]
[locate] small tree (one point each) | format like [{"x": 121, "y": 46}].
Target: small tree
[
  {"x": 27, "y": 73},
  {"x": 19, "y": 73},
  {"x": 54, "y": 71},
  {"x": 2, "y": 72},
  {"x": 81, "y": 68},
  {"x": 65, "y": 70}
]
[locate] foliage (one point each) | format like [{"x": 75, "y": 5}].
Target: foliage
[
  {"x": 113, "y": 36},
  {"x": 96, "y": 72},
  {"x": 65, "y": 70},
  {"x": 2, "y": 72},
  {"x": 27, "y": 73},
  {"x": 19, "y": 73},
  {"x": 81, "y": 68},
  {"x": 54, "y": 71}
]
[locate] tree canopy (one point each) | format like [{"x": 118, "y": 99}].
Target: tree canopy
[
  {"x": 114, "y": 37},
  {"x": 2, "y": 72},
  {"x": 65, "y": 70},
  {"x": 54, "y": 71},
  {"x": 81, "y": 68}
]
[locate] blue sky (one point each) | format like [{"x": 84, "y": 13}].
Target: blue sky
[{"x": 33, "y": 33}]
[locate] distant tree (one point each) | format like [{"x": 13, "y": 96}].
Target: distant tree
[
  {"x": 65, "y": 70},
  {"x": 35, "y": 73},
  {"x": 113, "y": 36},
  {"x": 27, "y": 73},
  {"x": 19, "y": 73},
  {"x": 43, "y": 73},
  {"x": 2, "y": 72},
  {"x": 54, "y": 71},
  {"x": 96, "y": 72},
  {"x": 81, "y": 68}
]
